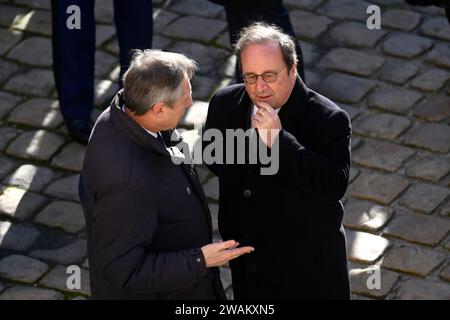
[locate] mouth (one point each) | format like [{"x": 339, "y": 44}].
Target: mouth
[{"x": 264, "y": 98}]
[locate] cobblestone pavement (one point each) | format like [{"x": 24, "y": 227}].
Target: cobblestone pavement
[{"x": 393, "y": 82}]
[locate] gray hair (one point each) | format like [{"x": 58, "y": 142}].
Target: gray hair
[
  {"x": 260, "y": 33},
  {"x": 155, "y": 76}
]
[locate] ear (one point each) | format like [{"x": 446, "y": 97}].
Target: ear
[
  {"x": 157, "y": 109},
  {"x": 293, "y": 73}
]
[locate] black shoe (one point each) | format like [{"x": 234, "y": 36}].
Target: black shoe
[{"x": 79, "y": 130}]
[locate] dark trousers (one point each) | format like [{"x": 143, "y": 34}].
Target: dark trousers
[
  {"x": 74, "y": 50},
  {"x": 241, "y": 13}
]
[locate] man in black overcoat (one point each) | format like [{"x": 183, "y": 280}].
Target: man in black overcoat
[
  {"x": 293, "y": 216},
  {"x": 148, "y": 224}
]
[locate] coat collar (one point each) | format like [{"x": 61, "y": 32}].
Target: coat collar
[{"x": 132, "y": 130}]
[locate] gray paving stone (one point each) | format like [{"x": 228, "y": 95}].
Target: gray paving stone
[
  {"x": 226, "y": 69},
  {"x": 378, "y": 187},
  {"x": 38, "y": 145},
  {"x": 398, "y": 72},
  {"x": 310, "y": 52},
  {"x": 113, "y": 47},
  {"x": 72, "y": 253},
  {"x": 6, "y": 135},
  {"x": 312, "y": 79},
  {"x": 345, "y": 88},
  {"x": 36, "y": 82},
  {"x": 366, "y": 216},
  {"x": 57, "y": 279},
  {"x": 30, "y": 177},
  {"x": 355, "y": 141},
  {"x": 439, "y": 55},
  {"x": 104, "y": 91},
  {"x": 351, "y": 61},
  {"x": 104, "y": 63},
  {"x": 22, "y": 268},
  {"x": 36, "y": 21},
  {"x": 103, "y": 33},
  {"x": 30, "y": 293},
  {"x": 214, "y": 209},
  {"x": 424, "y": 197},
  {"x": 445, "y": 210},
  {"x": 431, "y": 168},
  {"x": 6, "y": 164},
  {"x": 38, "y": 112},
  {"x": 203, "y": 173},
  {"x": 435, "y": 109},
  {"x": 16, "y": 237},
  {"x": 445, "y": 274},
  {"x": 418, "y": 228},
  {"x": 7, "y": 102},
  {"x": 400, "y": 19},
  {"x": 309, "y": 25},
  {"x": 9, "y": 39},
  {"x": 406, "y": 45},
  {"x": 196, "y": 8},
  {"x": 35, "y": 51},
  {"x": 446, "y": 245},
  {"x": 6, "y": 69},
  {"x": 382, "y": 155},
  {"x": 70, "y": 158},
  {"x": 18, "y": 203},
  {"x": 104, "y": 11},
  {"x": 86, "y": 264},
  {"x": 8, "y": 13},
  {"x": 305, "y": 4},
  {"x": 203, "y": 87},
  {"x": 361, "y": 281},
  {"x": 345, "y": 9},
  {"x": 41, "y": 4},
  {"x": 419, "y": 289},
  {"x": 431, "y": 80},
  {"x": 436, "y": 27},
  {"x": 224, "y": 41},
  {"x": 160, "y": 42},
  {"x": 382, "y": 125},
  {"x": 195, "y": 114},
  {"x": 365, "y": 247},
  {"x": 354, "y": 34},
  {"x": 162, "y": 18},
  {"x": 63, "y": 214},
  {"x": 353, "y": 174},
  {"x": 202, "y": 29},
  {"x": 211, "y": 189},
  {"x": 65, "y": 188},
  {"x": 207, "y": 57},
  {"x": 413, "y": 260},
  {"x": 431, "y": 136},
  {"x": 396, "y": 100}
]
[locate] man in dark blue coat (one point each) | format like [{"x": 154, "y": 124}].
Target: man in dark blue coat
[
  {"x": 292, "y": 217},
  {"x": 148, "y": 224}
]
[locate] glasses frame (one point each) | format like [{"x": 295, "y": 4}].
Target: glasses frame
[{"x": 244, "y": 75}]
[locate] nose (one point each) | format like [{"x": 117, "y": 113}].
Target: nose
[{"x": 261, "y": 85}]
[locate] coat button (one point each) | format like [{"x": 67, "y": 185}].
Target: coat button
[
  {"x": 188, "y": 190},
  {"x": 253, "y": 268},
  {"x": 247, "y": 193}
]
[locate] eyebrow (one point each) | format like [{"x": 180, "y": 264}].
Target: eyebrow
[{"x": 267, "y": 71}]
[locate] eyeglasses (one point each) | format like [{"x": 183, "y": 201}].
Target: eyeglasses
[{"x": 268, "y": 77}]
